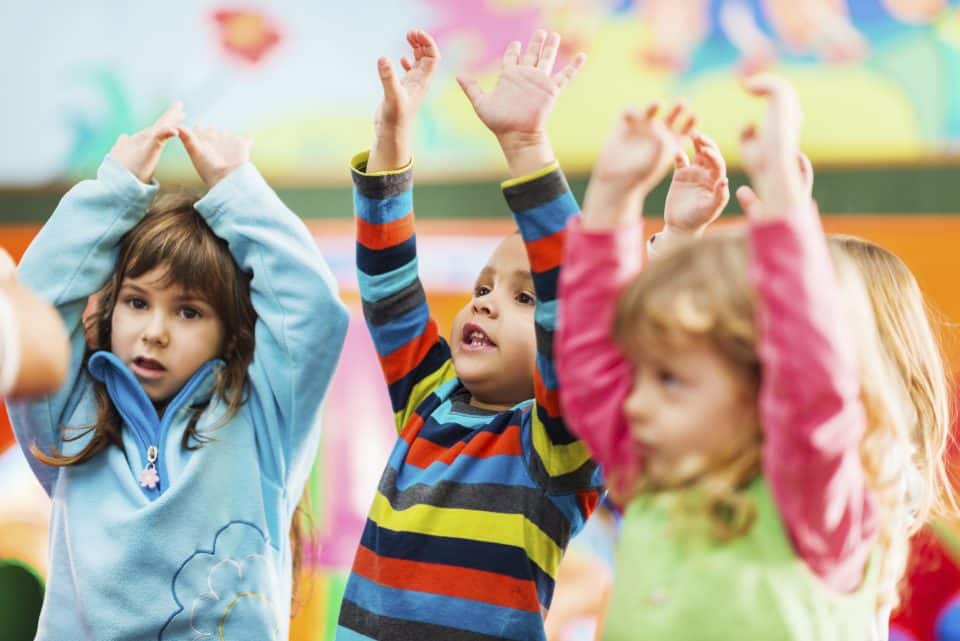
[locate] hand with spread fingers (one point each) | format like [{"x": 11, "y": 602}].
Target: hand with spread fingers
[
  {"x": 699, "y": 190},
  {"x": 517, "y": 108},
  {"x": 214, "y": 153},
  {"x": 140, "y": 152},
  {"x": 633, "y": 161},
  {"x": 749, "y": 201},
  {"x": 393, "y": 122}
]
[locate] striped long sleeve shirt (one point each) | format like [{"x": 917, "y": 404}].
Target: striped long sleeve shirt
[{"x": 475, "y": 507}]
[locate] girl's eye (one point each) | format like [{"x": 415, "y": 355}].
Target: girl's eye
[
  {"x": 526, "y": 299},
  {"x": 481, "y": 290},
  {"x": 135, "y": 302},
  {"x": 189, "y": 313},
  {"x": 667, "y": 378}
]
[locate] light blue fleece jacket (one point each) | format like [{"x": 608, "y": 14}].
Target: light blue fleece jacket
[{"x": 205, "y": 555}]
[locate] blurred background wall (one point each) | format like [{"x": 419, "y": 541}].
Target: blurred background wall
[{"x": 878, "y": 81}]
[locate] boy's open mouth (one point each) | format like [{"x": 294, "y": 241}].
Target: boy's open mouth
[{"x": 474, "y": 338}]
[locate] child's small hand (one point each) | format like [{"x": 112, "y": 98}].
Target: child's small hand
[
  {"x": 699, "y": 191},
  {"x": 751, "y": 204},
  {"x": 634, "y": 159},
  {"x": 8, "y": 268},
  {"x": 393, "y": 121},
  {"x": 517, "y": 109},
  {"x": 770, "y": 154},
  {"x": 140, "y": 152},
  {"x": 214, "y": 153}
]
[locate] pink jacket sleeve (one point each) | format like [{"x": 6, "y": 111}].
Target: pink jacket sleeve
[
  {"x": 809, "y": 403},
  {"x": 594, "y": 375}
]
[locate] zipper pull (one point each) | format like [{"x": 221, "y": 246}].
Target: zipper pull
[{"x": 149, "y": 478}]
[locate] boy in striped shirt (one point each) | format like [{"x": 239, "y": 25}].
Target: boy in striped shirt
[{"x": 485, "y": 486}]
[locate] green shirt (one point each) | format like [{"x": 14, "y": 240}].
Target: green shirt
[{"x": 675, "y": 584}]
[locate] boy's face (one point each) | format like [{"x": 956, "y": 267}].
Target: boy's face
[
  {"x": 163, "y": 333},
  {"x": 493, "y": 340}
]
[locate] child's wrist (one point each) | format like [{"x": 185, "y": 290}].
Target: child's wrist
[
  {"x": 389, "y": 152},
  {"x": 526, "y": 152}
]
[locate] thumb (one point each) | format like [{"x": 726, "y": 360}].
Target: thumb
[
  {"x": 471, "y": 88},
  {"x": 748, "y": 201},
  {"x": 190, "y": 140},
  {"x": 389, "y": 80}
]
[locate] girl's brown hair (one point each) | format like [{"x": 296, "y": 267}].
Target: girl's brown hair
[{"x": 703, "y": 289}]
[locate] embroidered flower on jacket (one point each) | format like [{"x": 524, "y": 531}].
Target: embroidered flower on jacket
[{"x": 229, "y": 592}]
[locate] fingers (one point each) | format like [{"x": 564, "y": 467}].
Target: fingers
[
  {"x": 172, "y": 117},
  {"x": 471, "y": 88},
  {"x": 569, "y": 72},
  {"x": 548, "y": 55},
  {"x": 680, "y": 160},
  {"x": 679, "y": 120},
  {"x": 388, "y": 79},
  {"x": 709, "y": 153},
  {"x": 405, "y": 63},
  {"x": 782, "y": 100},
  {"x": 426, "y": 53},
  {"x": 748, "y": 201},
  {"x": 511, "y": 56},
  {"x": 189, "y": 138},
  {"x": 532, "y": 53}
]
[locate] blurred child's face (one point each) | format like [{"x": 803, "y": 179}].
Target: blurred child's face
[
  {"x": 493, "y": 340},
  {"x": 163, "y": 333},
  {"x": 689, "y": 412}
]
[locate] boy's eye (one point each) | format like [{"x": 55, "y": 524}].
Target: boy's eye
[
  {"x": 526, "y": 299},
  {"x": 189, "y": 313},
  {"x": 481, "y": 290}
]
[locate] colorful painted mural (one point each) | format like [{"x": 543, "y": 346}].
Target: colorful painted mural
[{"x": 875, "y": 76}]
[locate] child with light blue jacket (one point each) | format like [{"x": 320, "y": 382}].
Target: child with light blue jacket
[{"x": 178, "y": 448}]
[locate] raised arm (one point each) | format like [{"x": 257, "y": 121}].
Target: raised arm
[
  {"x": 301, "y": 323},
  {"x": 516, "y": 112},
  {"x": 603, "y": 252},
  {"x": 34, "y": 349},
  {"x": 810, "y": 406},
  {"x": 72, "y": 257},
  {"x": 413, "y": 356}
]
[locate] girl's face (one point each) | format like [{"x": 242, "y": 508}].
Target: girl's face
[
  {"x": 163, "y": 333},
  {"x": 689, "y": 412}
]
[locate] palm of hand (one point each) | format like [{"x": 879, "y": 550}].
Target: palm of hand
[
  {"x": 520, "y": 101},
  {"x": 398, "y": 111},
  {"x": 636, "y": 155},
  {"x": 693, "y": 199}
]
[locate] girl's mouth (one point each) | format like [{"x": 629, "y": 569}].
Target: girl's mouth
[{"x": 148, "y": 367}]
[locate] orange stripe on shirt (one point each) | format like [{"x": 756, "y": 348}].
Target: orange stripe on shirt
[
  {"x": 403, "y": 360},
  {"x": 546, "y": 398},
  {"x": 484, "y": 445},
  {"x": 383, "y": 235},
  {"x": 447, "y": 580},
  {"x": 546, "y": 253}
]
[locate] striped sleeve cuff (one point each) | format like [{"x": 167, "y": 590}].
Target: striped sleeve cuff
[{"x": 382, "y": 184}]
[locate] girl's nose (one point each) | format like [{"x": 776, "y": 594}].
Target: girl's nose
[{"x": 155, "y": 333}]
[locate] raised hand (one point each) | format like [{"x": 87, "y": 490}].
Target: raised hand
[
  {"x": 214, "y": 153},
  {"x": 699, "y": 190},
  {"x": 393, "y": 122},
  {"x": 634, "y": 159},
  {"x": 517, "y": 108},
  {"x": 140, "y": 152},
  {"x": 750, "y": 202},
  {"x": 770, "y": 154}
]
